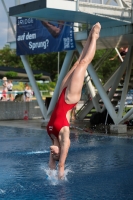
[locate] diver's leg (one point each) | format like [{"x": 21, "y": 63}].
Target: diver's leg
[
  {"x": 68, "y": 75},
  {"x": 74, "y": 88}
]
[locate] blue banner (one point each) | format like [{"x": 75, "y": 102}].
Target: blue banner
[{"x": 36, "y": 37}]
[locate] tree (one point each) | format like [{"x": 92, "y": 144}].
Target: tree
[
  {"x": 108, "y": 67},
  {"x": 11, "y": 74},
  {"x": 38, "y": 76},
  {"x": 48, "y": 62},
  {"x": 8, "y": 58}
]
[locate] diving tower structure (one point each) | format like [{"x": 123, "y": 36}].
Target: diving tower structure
[{"x": 117, "y": 31}]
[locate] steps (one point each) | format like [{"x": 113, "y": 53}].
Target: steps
[{"x": 115, "y": 99}]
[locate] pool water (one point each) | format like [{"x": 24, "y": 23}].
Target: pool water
[{"x": 97, "y": 167}]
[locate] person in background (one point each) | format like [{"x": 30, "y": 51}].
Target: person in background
[
  {"x": 123, "y": 51},
  {"x": 28, "y": 93},
  {"x": 25, "y": 90},
  {"x": 4, "y": 91},
  {"x": 9, "y": 87}
]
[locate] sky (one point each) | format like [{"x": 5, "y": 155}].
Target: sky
[
  {"x": 3, "y": 25},
  {"x": 4, "y": 20}
]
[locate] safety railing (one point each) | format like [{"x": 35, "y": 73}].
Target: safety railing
[
  {"x": 120, "y": 3},
  {"x": 13, "y": 94},
  {"x": 104, "y": 2}
]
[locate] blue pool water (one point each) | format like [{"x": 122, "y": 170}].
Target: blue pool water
[{"x": 98, "y": 167}]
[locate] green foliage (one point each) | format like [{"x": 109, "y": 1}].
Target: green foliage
[
  {"x": 8, "y": 58},
  {"x": 43, "y": 86},
  {"x": 47, "y": 86},
  {"x": 11, "y": 74},
  {"x": 19, "y": 87},
  {"x": 52, "y": 85},
  {"x": 108, "y": 67},
  {"x": 84, "y": 27},
  {"x": 56, "y": 78},
  {"x": 48, "y": 62},
  {"x": 38, "y": 76}
]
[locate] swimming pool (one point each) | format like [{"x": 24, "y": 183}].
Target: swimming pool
[{"x": 98, "y": 167}]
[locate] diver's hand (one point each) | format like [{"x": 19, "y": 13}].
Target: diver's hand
[
  {"x": 61, "y": 176},
  {"x": 61, "y": 172}
]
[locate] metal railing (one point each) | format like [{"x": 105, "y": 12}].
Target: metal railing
[
  {"x": 102, "y": 2},
  {"x": 14, "y": 93}
]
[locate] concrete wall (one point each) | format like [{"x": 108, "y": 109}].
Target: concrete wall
[{"x": 16, "y": 110}]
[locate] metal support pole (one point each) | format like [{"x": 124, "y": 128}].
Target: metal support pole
[
  {"x": 119, "y": 3},
  {"x": 132, "y": 11},
  {"x": 32, "y": 80},
  {"x": 130, "y": 112},
  {"x": 58, "y": 64},
  {"x": 17, "y": 2},
  {"x": 76, "y": 29},
  {"x": 126, "y": 82},
  {"x": 77, "y": 5},
  {"x": 34, "y": 85},
  {"x": 105, "y": 55},
  {"x": 103, "y": 94},
  {"x": 112, "y": 82},
  {"x": 64, "y": 70},
  {"x": 28, "y": 69},
  {"x": 92, "y": 92},
  {"x": 118, "y": 76},
  {"x": 101, "y": 91},
  {"x": 108, "y": 2},
  {"x": 90, "y": 86},
  {"x": 119, "y": 54}
]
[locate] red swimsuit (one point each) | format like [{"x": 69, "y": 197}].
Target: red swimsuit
[{"x": 58, "y": 118}]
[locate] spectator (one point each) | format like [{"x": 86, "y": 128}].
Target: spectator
[
  {"x": 25, "y": 90},
  {"x": 4, "y": 92},
  {"x": 28, "y": 93},
  {"x": 9, "y": 87}
]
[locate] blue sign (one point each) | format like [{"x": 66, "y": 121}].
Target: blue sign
[{"x": 36, "y": 37}]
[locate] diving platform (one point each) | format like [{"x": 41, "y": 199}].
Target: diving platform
[{"x": 117, "y": 31}]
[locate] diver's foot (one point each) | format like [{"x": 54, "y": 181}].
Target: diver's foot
[
  {"x": 90, "y": 33},
  {"x": 96, "y": 30}
]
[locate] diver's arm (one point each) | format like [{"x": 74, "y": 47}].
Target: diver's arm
[
  {"x": 52, "y": 164},
  {"x": 65, "y": 144},
  {"x": 114, "y": 57}
]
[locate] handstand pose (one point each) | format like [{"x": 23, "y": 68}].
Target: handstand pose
[{"x": 70, "y": 93}]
